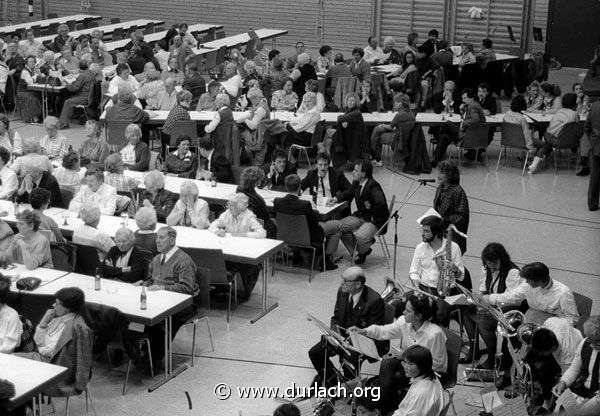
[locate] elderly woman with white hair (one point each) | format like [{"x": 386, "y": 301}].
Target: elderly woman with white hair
[
  {"x": 233, "y": 83},
  {"x": 114, "y": 168},
  {"x": 151, "y": 90},
  {"x": 62, "y": 39},
  {"x": 29, "y": 246},
  {"x": 302, "y": 73},
  {"x": 31, "y": 152},
  {"x": 156, "y": 196},
  {"x": 124, "y": 261},
  {"x": 259, "y": 111},
  {"x": 35, "y": 177},
  {"x": 189, "y": 211},
  {"x": 54, "y": 144},
  {"x": 89, "y": 234},
  {"x": 135, "y": 153},
  {"x": 302, "y": 126},
  {"x": 392, "y": 56},
  {"x": 94, "y": 150},
  {"x": 239, "y": 221},
  {"x": 251, "y": 74},
  {"x": 145, "y": 235}
]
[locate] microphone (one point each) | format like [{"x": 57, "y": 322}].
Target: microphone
[{"x": 424, "y": 181}]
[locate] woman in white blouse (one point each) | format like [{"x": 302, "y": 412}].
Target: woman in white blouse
[
  {"x": 425, "y": 396},
  {"x": 31, "y": 103},
  {"x": 123, "y": 78},
  {"x": 500, "y": 275},
  {"x": 189, "y": 211},
  {"x": 10, "y": 324}
]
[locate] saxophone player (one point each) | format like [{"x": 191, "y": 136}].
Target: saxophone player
[{"x": 429, "y": 262}]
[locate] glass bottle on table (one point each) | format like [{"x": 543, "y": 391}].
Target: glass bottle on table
[
  {"x": 213, "y": 180},
  {"x": 97, "y": 279},
  {"x": 143, "y": 299}
]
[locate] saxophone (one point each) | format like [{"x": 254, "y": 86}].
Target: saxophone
[{"x": 445, "y": 279}]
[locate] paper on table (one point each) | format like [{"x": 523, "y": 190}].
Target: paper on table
[
  {"x": 567, "y": 401},
  {"x": 364, "y": 345},
  {"x": 491, "y": 400},
  {"x": 430, "y": 212},
  {"x": 458, "y": 300},
  {"x": 324, "y": 327}
]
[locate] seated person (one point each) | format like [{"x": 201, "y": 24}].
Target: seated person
[
  {"x": 515, "y": 115},
  {"x": 392, "y": 55},
  {"x": 472, "y": 114},
  {"x": 356, "y": 305},
  {"x": 285, "y": 99},
  {"x": 551, "y": 98},
  {"x": 250, "y": 179},
  {"x": 29, "y": 246},
  {"x": 11, "y": 327},
  {"x": 301, "y": 127},
  {"x": 145, "y": 235},
  {"x": 53, "y": 144},
  {"x": 325, "y": 180},
  {"x": 583, "y": 101},
  {"x": 34, "y": 175},
  {"x": 324, "y": 59},
  {"x": 426, "y": 394},
  {"x": 254, "y": 144},
  {"x": 39, "y": 199},
  {"x": 123, "y": 79},
  {"x": 124, "y": 261},
  {"x": 63, "y": 338},
  {"x": 151, "y": 90},
  {"x": 368, "y": 100},
  {"x": 312, "y": 85},
  {"x": 278, "y": 170},
  {"x": 564, "y": 115},
  {"x": 31, "y": 103},
  {"x": 535, "y": 101},
  {"x": 215, "y": 164},
  {"x": 126, "y": 109},
  {"x": 8, "y": 178},
  {"x": 239, "y": 221},
  {"x": 545, "y": 296},
  {"x": 182, "y": 162},
  {"x": 486, "y": 54},
  {"x": 70, "y": 174},
  {"x": 10, "y": 139},
  {"x": 291, "y": 204},
  {"x": 387, "y": 133},
  {"x": 179, "y": 112},
  {"x": 413, "y": 328},
  {"x": 351, "y": 136},
  {"x": 189, "y": 211},
  {"x": 338, "y": 70},
  {"x": 168, "y": 96},
  {"x": 173, "y": 270},
  {"x": 31, "y": 152},
  {"x": 467, "y": 55},
  {"x": 88, "y": 234},
  {"x": 206, "y": 102},
  {"x": 359, "y": 67},
  {"x": 582, "y": 375},
  {"x": 406, "y": 81},
  {"x": 428, "y": 262},
  {"x": 372, "y": 212},
  {"x": 95, "y": 192},
  {"x": 156, "y": 196},
  {"x": 113, "y": 165},
  {"x": 135, "y": 153},
  {"x": 373, "y": 53}
]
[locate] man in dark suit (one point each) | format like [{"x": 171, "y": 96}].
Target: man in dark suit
[
  {"x": 325, "y": 180},
  {"x": 215, "y": 164},
  {"x": 80, "y": 92},
  {"x": 35, "y": 177},
  {"x": 124, "y": 261},
  {"x": 356, "y": 305},
  {"x": 193, "y": 82},
  {"x": 292, "y": 205},
  {"x": 278, "y": 170},
  {"x": 372, "y": 213}
]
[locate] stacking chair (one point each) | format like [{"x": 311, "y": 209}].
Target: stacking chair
[
  {"x": 115, "y": 20},
  {"x": 568, "y": 139},
  {"x": 141, "y": 341},
  {"x": 476, "y": 137},
  {"x": 87, "y": 260},
  {"x": 293, "y": 231},
  {"x": 149, "y": 28},
  {"x": 210, "y": 36},
  {"x": 380, "y": 235},
  {"x": 87, "y": 22},
  {"x": 210, "y": 61},
  {"x": 117, "y": 34},
  {"x": 584, "y": 307},
  {"x": 220, "y": 34},
  {"x": 93, "y": 105},
  {"x": 64, "y": 256},
  {"x": 453, "y": 346},
  {"x": 181, "y": 128},
  {"x": 317, "y": 137},
  {"x": 71, "y": 24},
  {"x": 52, "y": 16},
  {"x": 512, "y": 136},
  {"x": 37, "y": 30},
  {"x": 115, "y": 132}
]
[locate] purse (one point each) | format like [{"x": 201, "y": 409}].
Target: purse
[{"x": 28, "y": 283}]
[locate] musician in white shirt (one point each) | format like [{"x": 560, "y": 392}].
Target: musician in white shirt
[
  {"x": 95, "y": 192},
  {"x": 413, "y": 328},
  {"x": 428, "y": 260},
  {"x": 544, "y": 295}
]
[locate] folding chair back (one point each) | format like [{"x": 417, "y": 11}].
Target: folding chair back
[
  {"x": 117, "y": 34},
  {"x": 149, "y": 28},
  {"x": 293, "y": 230},
  {"x": 181, "y": 128},
  {"x": 584, "y": 307},
  {"x": 87, "y": 260},
  {"x": 319, "y": 133},
  {"x": 570, "y": 135},
  {"x": 475, "y": 137},
  {"x": 211, "y": 60},
  {"x": 115, "y": 131},
  {"x": 64, "y": 256},
  {"x": 220, "y": 34},
  {"x": 512, "y": 136}
]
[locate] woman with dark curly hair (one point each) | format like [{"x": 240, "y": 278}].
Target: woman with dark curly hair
[
  {"x": 70, "y": 174},
  {"x": 499, "y": 275}
]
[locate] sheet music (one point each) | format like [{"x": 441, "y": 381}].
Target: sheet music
[
  {"x": 364, "y": 345},
  {"x": 458, "y": 300},
  {"x": 491, "y": 400},
  {"x": 430, "y": 212},
  {"x": 512, "y": 407},
  {"x": 324, "y": 327},
  {"x": 567, "y": 401}
]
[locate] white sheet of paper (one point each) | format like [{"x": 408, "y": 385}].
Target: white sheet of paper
[
  {"x": 491, "y": 400},
  {"x": 567, "y": 401},
  {"x": 458, "y": 300},
  {"x": 430, "y": 212},
  {"x": 365, "y": 345}
]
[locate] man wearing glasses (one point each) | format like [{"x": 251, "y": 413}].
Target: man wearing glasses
[{"x": 356, "y": 305}]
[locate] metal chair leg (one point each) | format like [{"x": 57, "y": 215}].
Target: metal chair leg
[
  {"x": 88, "y": 394},
  {"x": 312, "y": 264},
  {"x": 147, "y": 341},
  {"x": 67, "y": 407},
  {"x": 525, "y": 163},
  {"x": 126, "y": 378},
  {"x": 500, "y": 156},
  {"x": 212, "y": 347},
  {"x": 193, "y": 342},
  {"x": 229, "y": 302}
]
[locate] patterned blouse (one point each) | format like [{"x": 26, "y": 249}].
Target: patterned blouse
[
  {"x": 55, "y": 147},
  {"x": 95, "y": 151},
  {"x": 284, "y": 102}
]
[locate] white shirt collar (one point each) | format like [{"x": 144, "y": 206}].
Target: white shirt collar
[
  {"x": 356, "y": 297},
  {"x": 169, "y": 253}
]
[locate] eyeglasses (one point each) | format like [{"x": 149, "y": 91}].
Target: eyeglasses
[{"x": 349, "y": 281}]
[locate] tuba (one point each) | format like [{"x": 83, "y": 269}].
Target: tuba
[
  {"x": 525, "y": 332},
  {"x": 515, "y": 319},
  {"x": 394, "y": 296}
]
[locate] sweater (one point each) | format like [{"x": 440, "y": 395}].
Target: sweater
[{"x": 177, "y": 274}]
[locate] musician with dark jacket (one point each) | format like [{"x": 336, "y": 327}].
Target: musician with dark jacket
[
  {"x": 372, "y": 213},
  {"x": 357, "y": 305},
  {"x": 583, "y": 375},
  {"x": 291, "y": 204},
  {"x": 451, "y": 202},
  {"x": 326, "y": 181},
  {"x": 124, "y": 261}
]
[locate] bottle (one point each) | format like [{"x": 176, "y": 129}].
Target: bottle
[
  {"x": 15, "y": 207},
  {"x": 213, "y": 180},
  {"x": 97, "y": 279},
  {"x": 143, "y": 299}
]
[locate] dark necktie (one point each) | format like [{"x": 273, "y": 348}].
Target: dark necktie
[
  {"x": 594, "y": 385},
  {"x": 162, "y": 259},
  {"x": 322, "y": 186}
]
